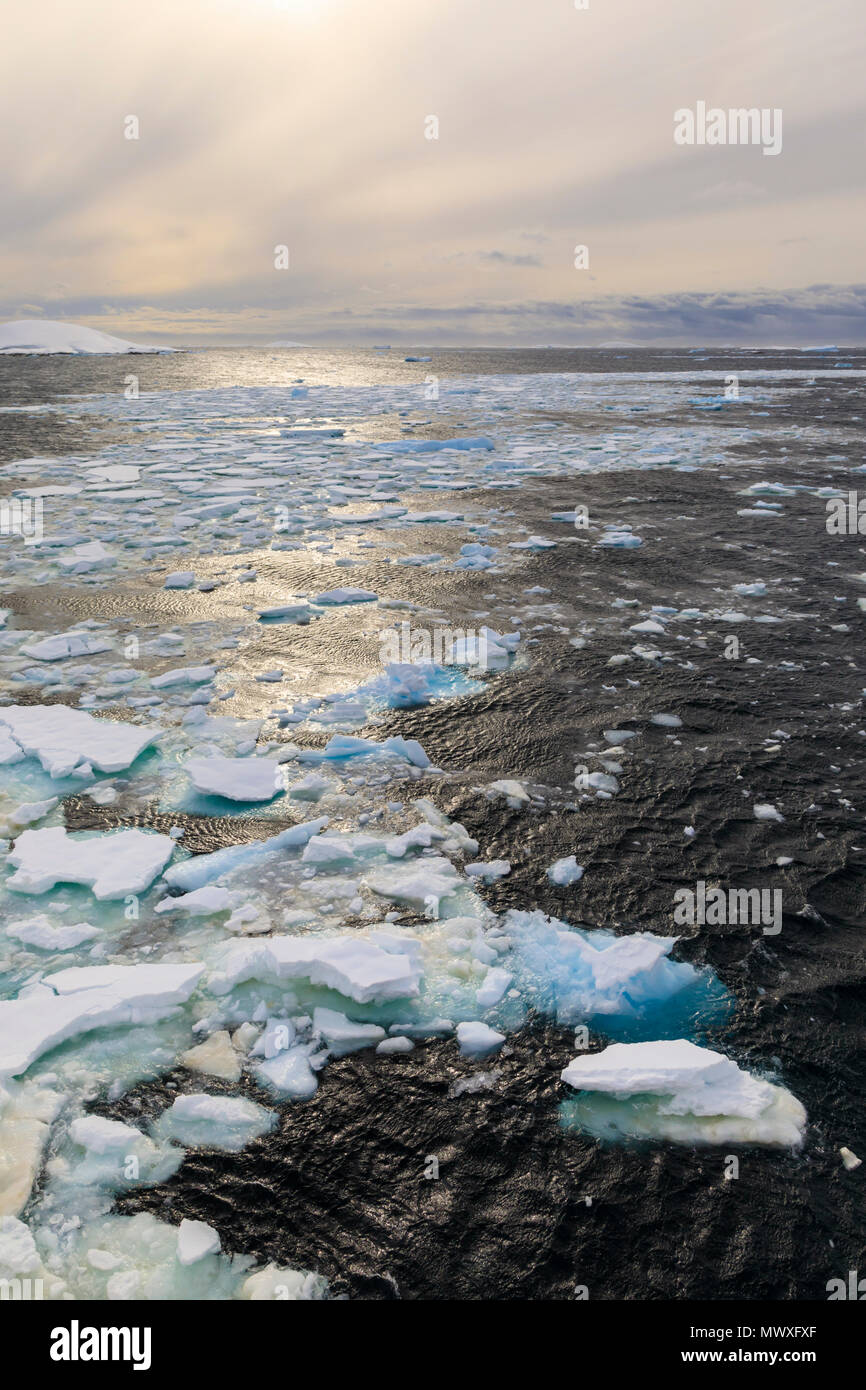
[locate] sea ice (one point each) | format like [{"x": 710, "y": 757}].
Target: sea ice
[
  {"x": 678, "y": 1091},
  {"x": 65, "y": 739},
  {"x": 112, "y": 865},
  {"x": 236, "y": 779},
  {"x": 78, "y": 1000}
]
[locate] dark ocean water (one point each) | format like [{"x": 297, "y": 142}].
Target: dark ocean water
[{"x": 340, "y": 1186}]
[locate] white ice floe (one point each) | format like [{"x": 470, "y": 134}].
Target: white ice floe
[
  {"x": 196, "y": 1240},
  {"x": 214, "y": 1122},
  {"x": 112, "y": 865},
  {"x": 477, "y": 1039},
  {"x": 66, "y": 644},
  {"x": 48, "y": 935},
  {"x": 339, "y": 596},
  {"x": 566, "y": 871},
  {"x": 66, "y": 739},
  {"x": 351, "y": 965},
  {"x": 765, "y": 810},
  {"x": 27, "y": 1110},
  {"x": 215, "y": 1057},
  {"x": 423, "y": 885},
  {"x": 236, "y": 779},
  {"x": 678, "y": 1091},
  {"x": 79, "y": 1000},
  {"x": 342, "y": 1035}
]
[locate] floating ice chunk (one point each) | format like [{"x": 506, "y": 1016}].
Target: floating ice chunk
[
  {"x": 343, "y": 1035},
  {"x": 349, "y": 595},
  {"x": 619, "y": 540},
  {"x": 493, "y": 987},
  {"x": 478, "y": 1040},
  {"x": 351, "y": 965},
  {"x": 18, "y": 1253},
  {"x": 180, "y": 579},
  {"x": 215, "y": 1056},
  {"x": 66, "y": 644},
  {"x": 76, "y": 1001},
  {"x": 667, "y": 721},
  {"x": 112, "y": 865},
  {"x": 649, "y": 625},
  {"x": 28, "y": 813},
  {"x": 108, "y": 1146},
  {"x": 202, "y": 869},
  {"x": 575, "y": 976},
  {"x": 288, "y": 613},
  {"x": 183, "y": 675},
  {"x": 701, "y": 1096},
  {"x": 236, "y": 779},
  {"x": 388, "y": 1046},
  {"x": 84, "y": 558},
  {"x": 64, "y": 739},
  {"x": 202, "y": 902},
  {"x": 26, "y": 1113},
  {"x": 429, "y": 446},
  {"x": 514, "y": 792},
  {"x": 565, "y": 872},
  {"x": 196, "y": 1240},
  {"x": 618, "y": 737},
  {"x": 310, "y": 788},
  {"x": 48, "y": 935},
  {"x": 215, "y": 1122},
  {"x": 757, "y": 590},
  {"x": 765, "y": 810},
  {"x": 850, "y": 1161},
  {"x": 287, "y": 1285},
  {"x": 288, "y": 1074},
  {"x": 421, "y": 885},
  {"x": 408, "y": 748},
  {"x": 10, "y": 751},
  {"x": 489, "y": 872}
]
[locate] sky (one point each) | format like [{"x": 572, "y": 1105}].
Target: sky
[{"x": 306, "y": 125}]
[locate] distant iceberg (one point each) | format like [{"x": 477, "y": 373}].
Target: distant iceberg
[{"x": 34, "y": 337}]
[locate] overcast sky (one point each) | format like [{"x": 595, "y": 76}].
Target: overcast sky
[{"x": 303, "y": 123}]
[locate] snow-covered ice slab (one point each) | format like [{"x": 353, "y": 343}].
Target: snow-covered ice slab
[
  {"x": 236, "y": 779},
  {"x": 65, "y": 739},
  {"x": 351, "y": 965},
  {"x": 422, "y": 884},
  {"x": 79, "y": 1000},
  {"x": 111, "y": 865},
  {"x": 676, "y": 1090},
  {"x": 215, "y": 1122}
]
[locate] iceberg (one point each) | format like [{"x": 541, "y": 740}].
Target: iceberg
[{"x": 37, "y": 337}]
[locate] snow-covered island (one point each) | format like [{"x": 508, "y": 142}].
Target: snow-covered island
[{"x": 40, "y": 337}]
